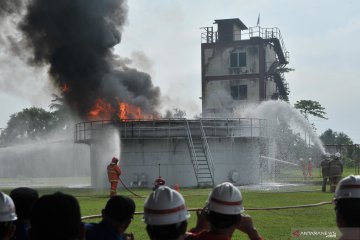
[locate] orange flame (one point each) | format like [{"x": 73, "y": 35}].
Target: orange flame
[
  {"x": 101, "y": 110},
  {"x": 127, "y": 111}
]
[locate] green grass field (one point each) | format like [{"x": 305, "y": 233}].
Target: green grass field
[{"x": 272, "y": 224}]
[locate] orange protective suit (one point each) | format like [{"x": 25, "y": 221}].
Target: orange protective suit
[
  {"x": 114, "y": 172},
  {"x": 159, "y": 182}
]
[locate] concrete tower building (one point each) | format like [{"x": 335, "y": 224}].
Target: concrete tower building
[{"x": 241, "y": 66}]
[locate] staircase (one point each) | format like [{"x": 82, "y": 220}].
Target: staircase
[
  {"x": 279, "y": 51},
  {"x": 200, "y": 154},
  {"x": 282, "y": 86}
]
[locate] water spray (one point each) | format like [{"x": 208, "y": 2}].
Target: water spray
[{"x": 278, "y": 160}]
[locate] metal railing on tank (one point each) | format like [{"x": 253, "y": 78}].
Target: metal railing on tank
[
  {"x": 169, "y": 128},
  {"x": 234, "y": 127},
  {"x": 162, "y": 128},
  {"x": 85, "y": 130}
]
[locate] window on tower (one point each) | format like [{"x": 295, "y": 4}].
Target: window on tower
[
  {"x": 238, "y": 59},
  {"x": 239, "y": 92}
]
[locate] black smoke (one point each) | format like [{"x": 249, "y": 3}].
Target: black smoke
[{"x": 75, "y": 38}]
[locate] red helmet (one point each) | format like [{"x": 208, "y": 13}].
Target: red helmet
[{"x": 114, "y": 160}]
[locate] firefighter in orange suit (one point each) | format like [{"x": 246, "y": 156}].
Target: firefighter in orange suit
[
  {"x": 114, "y": 172},
  {"x": 158, "y": 182}
]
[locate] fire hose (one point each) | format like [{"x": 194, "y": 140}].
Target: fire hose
[
  {"x": 248, "y": 209},
  {"x": 129, "y": 189}
]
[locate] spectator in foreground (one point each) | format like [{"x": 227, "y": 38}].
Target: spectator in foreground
[
  {"x": 116, "y": 217},
  {"x": 56, "y": 217},
  {"x": 347, "y": 207},
  {"x": 165, "y": 214},
  {"x": 224, "y": 213},
  {"x": 7, "y": 217},
  {"x": 24, "y": 199}
]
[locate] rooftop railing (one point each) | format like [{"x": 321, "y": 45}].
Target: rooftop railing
[
  {"x": 174, "y": 128},
  {"x": 210, "y": 36}
]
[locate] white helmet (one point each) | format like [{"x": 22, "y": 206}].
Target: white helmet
[
  {"x": 337, "y": 155},
  {"x": 310, "y": 159},
  {"x": 165, "y": 206},
  {"x": 7, "y": 208},
  {"x": 300, "y": 159},
  {"x": 327, "y": 155},
  {"x": 348, "y": 187},
  {"x": 225, "y": 198}
]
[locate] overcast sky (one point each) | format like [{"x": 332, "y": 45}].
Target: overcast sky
[{"x": 163, "y": 38}]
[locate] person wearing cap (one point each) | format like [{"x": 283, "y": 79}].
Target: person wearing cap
[
  {"x": 24, "y": 199},
  {"x": 57, "y": 217},
  {"x": 325, "y": 169},
  {"x": 113, "y": 172},
  {"x": 165, "y": 214},
  {"x": 7, "y": 217},
  {"x": 116, "y": 217},
  {"x": 225, "y": 213},
  {"x": 347, "y": 207}
]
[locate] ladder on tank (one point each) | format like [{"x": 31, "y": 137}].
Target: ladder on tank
[{"x": 201, "y": 157}]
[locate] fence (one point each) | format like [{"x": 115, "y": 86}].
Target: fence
[{"x": 172, "y": 128}]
